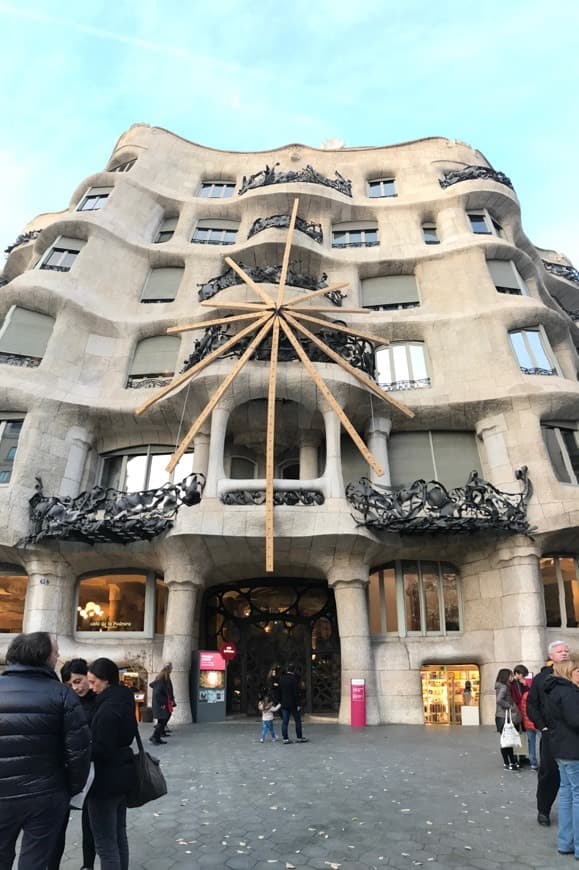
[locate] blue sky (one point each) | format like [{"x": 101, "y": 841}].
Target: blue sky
[{"x": 252, "y": 75}]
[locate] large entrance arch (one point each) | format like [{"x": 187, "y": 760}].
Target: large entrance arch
[{"x": 272, "y": 624}]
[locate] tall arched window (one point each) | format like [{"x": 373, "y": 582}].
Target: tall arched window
[
  {"x": 13, "y": 583},
  {"x": 135, "y": 469},
  {"x": 414, "y": 597},
  {"x": 561, "y": 591},
  {"x": 402, "y": 366},
  {"x": 121, "y": 602}
]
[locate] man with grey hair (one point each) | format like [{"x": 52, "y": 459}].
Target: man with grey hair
[{"x": 548, "y": 780}]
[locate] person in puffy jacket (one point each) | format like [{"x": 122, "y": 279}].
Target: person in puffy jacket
[
  {"x": 113, "y": 729},
  {"x": 561, "y": 691},
  {"x": 44, "y": 750}
]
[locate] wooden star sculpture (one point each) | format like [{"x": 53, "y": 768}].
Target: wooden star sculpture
[{"x": 275, "y": 316}]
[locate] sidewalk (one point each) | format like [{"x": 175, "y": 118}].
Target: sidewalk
[{"x": 391, "y": 796}]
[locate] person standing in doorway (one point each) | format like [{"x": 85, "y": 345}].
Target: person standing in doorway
[
  {"x": 548, "y": 779},
  {"x": 44, "y": 751},
  {"x": 289, "y": 688}
]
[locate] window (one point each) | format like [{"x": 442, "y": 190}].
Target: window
[
  {"x": 430, "y": 234},
  {"x": 166, "y": 230},
  {"x": 155, "y": 357},
  {"x": 561, "y": 591},
  {"x": 137, "y": 469},
  {"x": 354, "y": 235},
  {"x": 381, "y": 187},
  {"x": 162, "y": 284},
  {"x": 390, "y": 292},
  {"x": 562, "y": 444},
  {"x": 414, "y": 598},
  {"x": 62, "y": 254},
  {"x": 123, "y": 602},
  {"x": 13, "y": 597},
  {"x": 242, "y": 468},
  {"x": 217, "y": 189},
  {"x": 448, "y": 457},
  {"x": 482, "y": 223},
  {"x": 94, "y": 198},
  {"x": 506, "y": 278},
  {"x": 25, "y": 334},
  {"x": 9, "y": 434},
  {"x": 402, "y": 366},
  {"x": 124, "y": 167},
  {"x": 533, "y": 352},
  {"x": 215, "y": 232}
]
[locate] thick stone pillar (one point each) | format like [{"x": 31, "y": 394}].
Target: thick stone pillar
[
  {"x": 215, "y": 470},
  {"x": 201, "y": 453},
  {"x": 50, "y": 595},
  {"x": 349, "y": 584},
  {"x": 377, "y": 434},
  {"x": 309, "y": 443},
  {"x": 178, "y": 641},
  {"x": 78, "y": 443},
  {"x": 333, "y": 472}
]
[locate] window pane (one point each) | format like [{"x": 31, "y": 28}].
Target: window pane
[
  {"x": 355, "y": 237},
  {"x": 571, "y": 441},
  {"x": 383, "y": 367},
  {"x": 391, "y": 602},
  {"x": 410, "y": 458},
  {"x": 541, "y": 360},
  {"x": 523, "y": 357},
  {"x": 135, "y": 476},
  {"x": 411, "y": 597},
  {"x": 161, "y": 598},
  {"x": 339, "y": 239},
  {"x": 430, "y": 592},
  {"x": 183, "y": 468},
  {"x": 571, "y": 589},
  {"x": 242, "y": 469},
  {"x": 371, "y": 237},
  {"x": 114, "y": 602},
  {"x": 111, "y": 476},
  {"x": 374, "y": 189},
  {"x": 551, "y": 593},
  {"x": 450, "y": 598},
  {"x": 556, "y": 455},
  {"x": 418, "y": 362},
  {"x": 158, "y": 475},
  {"x": 400, "y": 360},
  {"x": 430, "y": 235},
  {"x": 478, "y": 223},
  {"x": 12, "y": 599},
  {"x": 374, "y": 603},
  {"x": 455, "y": 455},
  {"x": 8, "y": 449}
]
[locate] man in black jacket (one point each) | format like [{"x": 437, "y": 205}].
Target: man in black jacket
[
  {"x": 44, "y": 750},
  {"x": 289, "y": 689},
  {"x": 537, "y": 711}
]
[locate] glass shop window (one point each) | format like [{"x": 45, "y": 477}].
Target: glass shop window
[
  {"x": 12, "y": 599},
  {"x": 123, "y": 602}
]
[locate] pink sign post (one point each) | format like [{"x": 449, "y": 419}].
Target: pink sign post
[{"x": 358, "y": 703}]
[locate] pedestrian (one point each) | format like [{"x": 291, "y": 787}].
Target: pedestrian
[
  {"x": 530, "y": 731},
  {"x": 172, "y": 702},
  {"x": 505, "y": 704},
  {"x": 44, "y": 751},
  {"x": 113, "y": 730},
  {"x": 467, "y": 694},
  {"x": 519, "y": 689},
  {"x": 268, "y": 708},
  {"x": 74, "y": 675},
  {"x": 548, "y": 778},
  {"x": 161, "y": 701},
  {"x": 561, "y": 692},
  {"x": 289, "y": 689}
]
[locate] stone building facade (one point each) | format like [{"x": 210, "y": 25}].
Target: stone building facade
[{"x": 391, "y": 585}]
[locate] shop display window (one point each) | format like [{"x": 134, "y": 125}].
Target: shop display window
[
  {"x": 443, "y": 692},
  {"x": 124, "y": 602},
  {"x": 12, "y": 600},
  {"x": 561, "y": 591}
]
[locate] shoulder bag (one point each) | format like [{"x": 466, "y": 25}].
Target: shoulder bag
[
  {"x": 150, "y": 783},
  {"x": 509, "y": 735}
]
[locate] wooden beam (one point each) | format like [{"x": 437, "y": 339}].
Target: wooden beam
[
  {"x": 219, "y": 321},
  {"x": 369, "y": 458},
  {"x": 286, "y": 253},
  {"x": 247, "y": 279},
  {"x": 217, "y": 394},
  {"x": 270, "y": 451},
  {"x": 202, "y": 364},
  {"x": 350, "y": 330},
  {"x": 295, "y": 300},
  {"x": 239, "y": 306},
  {"x": 356, "y": 373},
  {"x": 325, "y": 309}
]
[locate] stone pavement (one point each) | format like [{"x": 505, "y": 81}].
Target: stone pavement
[{"x": 389, "y": 796}]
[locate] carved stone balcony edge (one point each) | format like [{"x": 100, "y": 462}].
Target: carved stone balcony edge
[
  {"x": 268, "y": 275},
  {"x": 562, "y": 271},
  {"x": 473, "y": 173},
  {"x": 22, "y": 239},
  {"x": 428, "y": 507},
  {"x": 282, "y": 221},
  {"x": 306, "y": 497},
  {"x": 101, "y": 516},
  {"x": 357, "y": 351},
  {"x": 307, "y": 175}
]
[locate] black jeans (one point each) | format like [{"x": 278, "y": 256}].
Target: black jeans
[
  {"x": 40, "y": 819},
  {"x": 285, "y": 718},
  {"x": 548, "y": 779},
  {"x": 108, "y": 821},
  {"x": 88, "y": 850},
  {"x": 160, "y": 728}
]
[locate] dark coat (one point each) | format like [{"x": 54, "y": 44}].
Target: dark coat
[
  {"x": 161, "y": 695},
  {"x": 44, "y": 736},
  {"x": 113, "y": 730},
  {"x": 536, "y": 703},
  {"x": 88, "y": 704},
  {"x": 562, "y": 702},
  {"x": 289, "y": 692}
]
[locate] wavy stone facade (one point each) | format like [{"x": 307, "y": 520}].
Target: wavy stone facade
[{"x": 488, "y": 364}]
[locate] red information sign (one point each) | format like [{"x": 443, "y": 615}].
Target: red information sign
[
  {"x": 211, "y": 661},
  {"x": 358, "y": 703},
  {"x": 229, "y": 651}
]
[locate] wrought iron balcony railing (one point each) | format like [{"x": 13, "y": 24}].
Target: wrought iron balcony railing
[
  {"x": 50, "y": 268},
  {"x": 269, "y": 275},
  {"x": 473, "y": 173},
  {"x": 137, "y": 382},
  {"x": 26, "y": 362},
  {"x": 290, "y": 497},
  {"x": 282, "y": 221},
  {"x": 537, "y": 371},
  {"x": 307, "y": 175},
  {"x": 22, "y": 239},
  {"x": 570, "y": 273},
  {"x": 418, "y": 384},
  {"x": 108, "y": 515},
  {"x": 428, "y": 507}
]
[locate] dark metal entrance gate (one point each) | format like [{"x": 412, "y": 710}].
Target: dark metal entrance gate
[{"x": 273, "y": 624}]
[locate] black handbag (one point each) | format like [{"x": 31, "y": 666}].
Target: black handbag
[{"x": 150, "y": 783}]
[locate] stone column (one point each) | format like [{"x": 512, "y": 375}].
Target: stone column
[
  {"x": 309, "y": 443},
  {"x": 178, "y": 642},
  {"x": 451, "y": 222},
  {"x": 201, "y": 453},
  {"x": 377, "y": 434},
  {"x": 50, "y": 595},
  {"x": 215, "y": 470},
  {"x": 349, "y": 584},
  {"x": 78, "y": 443},
  {"x": 333, "y": 472}
]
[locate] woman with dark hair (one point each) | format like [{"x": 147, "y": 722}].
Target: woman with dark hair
[
  {"x": 113, "y": 730},
  {"x": 504, "y": 703},
  {"x": 161, "y": 701}
]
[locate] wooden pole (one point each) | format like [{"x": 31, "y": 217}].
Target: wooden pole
[
  {"x": 295, "y": 300},
  {"x": 286, "y": 253},
  {"x": 239, "y": 306},
  {"x": 270, "y": 451},
  {"x": 349, "y": 330},
  {"x": 247, "y": 279},
  {"x": 219, "y": 321}
]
